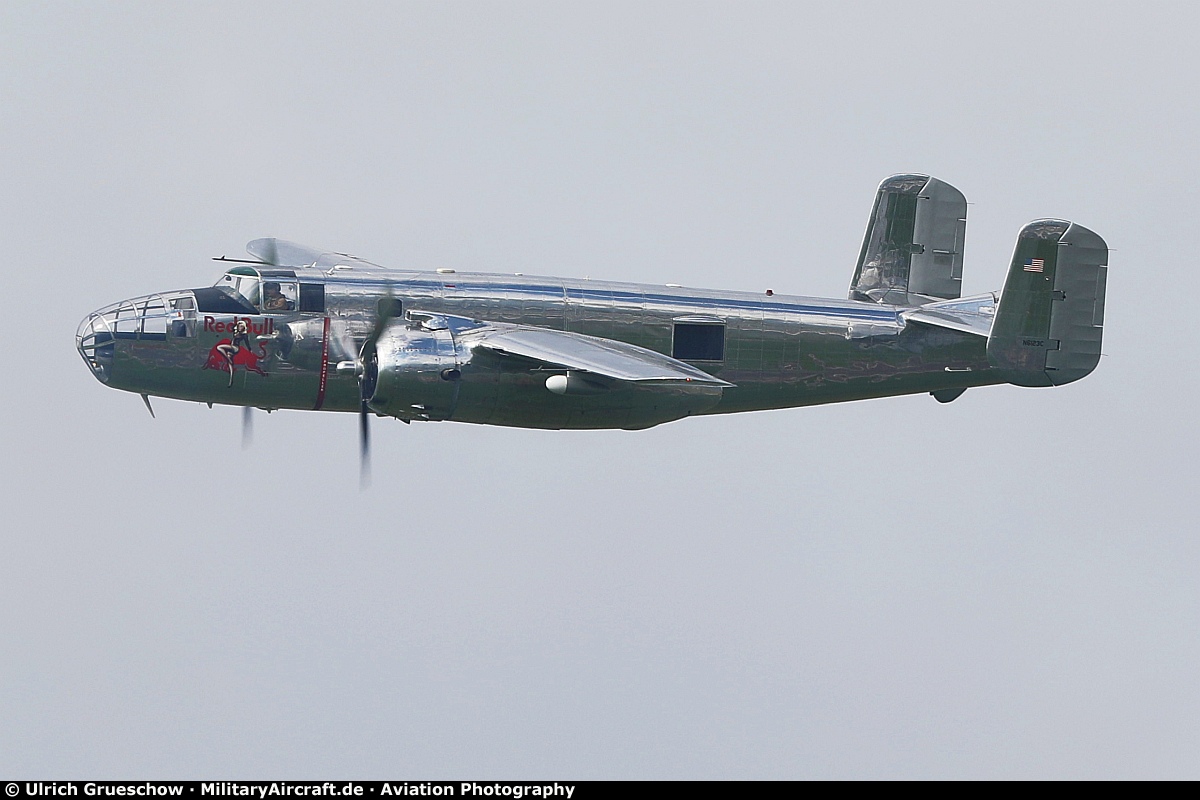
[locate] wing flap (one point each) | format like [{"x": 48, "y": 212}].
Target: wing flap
[{"x": 604, "y": 357}]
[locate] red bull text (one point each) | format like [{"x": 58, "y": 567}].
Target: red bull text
[{"x": 264, "y": 328}]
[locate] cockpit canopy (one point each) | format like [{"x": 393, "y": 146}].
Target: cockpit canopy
[
  {"x": 271, "y": 290},
  {"x": 266, "y": 291}
]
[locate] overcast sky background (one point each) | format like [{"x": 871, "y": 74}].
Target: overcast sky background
[{"x": 1006, "y": 586}]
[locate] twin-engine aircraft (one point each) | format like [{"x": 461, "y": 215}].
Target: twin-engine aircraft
[{"x": 300, "y": 328}]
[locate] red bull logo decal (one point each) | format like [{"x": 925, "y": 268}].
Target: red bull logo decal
[
  {"x": 264, "y": 328},
  {"x": 229, "y": 354}
]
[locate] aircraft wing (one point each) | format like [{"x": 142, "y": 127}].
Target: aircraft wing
[
  {"x": 604, "y": 357},
  {"x": 969, "y": 315},
  {"x": 283, "y": 253}
]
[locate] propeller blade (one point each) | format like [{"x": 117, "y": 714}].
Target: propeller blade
[
  {"x": 341, "y": 343},
  {"x": 364, "y": 444},
  {"x": 388, "y": 308},
  {"x": 247, "y": 426},
  {"x": 265, "y": 250}
]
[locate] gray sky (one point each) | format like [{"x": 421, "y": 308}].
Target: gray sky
[{"x": 1003, "y": 587}]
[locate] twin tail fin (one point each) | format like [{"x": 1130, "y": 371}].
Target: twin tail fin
[
  {"x": 1050, "y": 317},
  {"x": 912, "y": 253}
]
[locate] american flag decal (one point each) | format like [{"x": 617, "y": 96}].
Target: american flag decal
[{"x": 1035, "y": 265}]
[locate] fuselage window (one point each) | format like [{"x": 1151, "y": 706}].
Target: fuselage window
[
  {"x": 698, "y": 342},
  {"x": 154, "y": 317},
  {"x": 278, "y": 296},
  {"x": 183, "y": 317},
  {"x": 312, "y": 297}
]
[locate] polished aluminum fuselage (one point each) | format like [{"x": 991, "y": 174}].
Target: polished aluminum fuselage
[{"x": 780, "y": 351}]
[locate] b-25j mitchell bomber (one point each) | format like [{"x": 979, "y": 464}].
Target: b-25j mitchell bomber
[{"x": 299, "y": 328}]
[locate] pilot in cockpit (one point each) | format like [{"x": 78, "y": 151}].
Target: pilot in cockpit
[{"x": 273, "y": 299}]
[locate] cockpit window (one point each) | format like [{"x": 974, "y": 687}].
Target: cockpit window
[
  {"x": 270, "y": 291},
  {"x": 245, "y": 285},
  {"x": 222, "y": 300},
  {"x": 278, "y": 296}
]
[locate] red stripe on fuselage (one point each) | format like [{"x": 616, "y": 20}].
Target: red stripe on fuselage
[{"x": 324, "y": 366}]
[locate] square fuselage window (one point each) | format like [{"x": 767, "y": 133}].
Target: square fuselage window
[
  {"x": 312, "y": 297},
  {"x": 698, "y": 342}
]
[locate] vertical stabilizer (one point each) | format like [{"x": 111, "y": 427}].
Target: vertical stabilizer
[
  {"x": 912, "y": 253},
  {"x": 1050, "y": 317}
]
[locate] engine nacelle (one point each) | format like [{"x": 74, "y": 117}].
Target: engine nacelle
[
  {"x": 414, "y": 373},
  {"x": 437, "y": 367}
]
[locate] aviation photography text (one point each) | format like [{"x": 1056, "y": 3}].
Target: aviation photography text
[{"x": 265, "y": 789}]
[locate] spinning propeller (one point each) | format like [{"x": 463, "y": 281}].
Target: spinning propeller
[
  {"x": 247, "y": 427},
  {"x": 366, "y": 366}
]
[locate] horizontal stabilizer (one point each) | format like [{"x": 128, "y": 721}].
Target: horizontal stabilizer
[
  {"x": 972, "y": 315},
  {"x": 604, "y": 357},
  {"x": 1050, "y": 317},
  {"x": 912, "y": 253}
]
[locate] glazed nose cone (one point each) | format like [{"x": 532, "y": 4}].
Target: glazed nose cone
[{"x": 96, "y": 344}]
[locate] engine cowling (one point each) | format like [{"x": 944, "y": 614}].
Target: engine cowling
[{"x": 413, "y": 373}]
